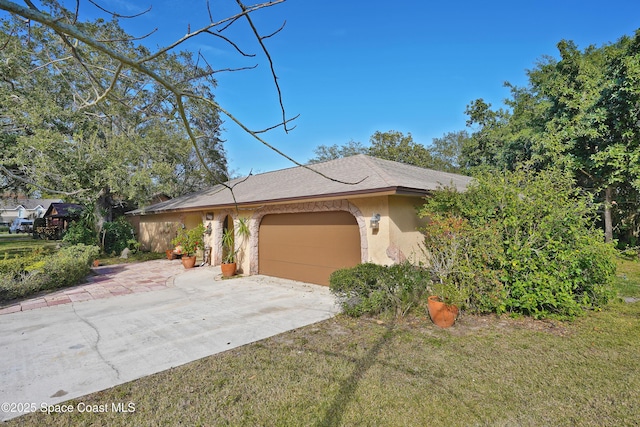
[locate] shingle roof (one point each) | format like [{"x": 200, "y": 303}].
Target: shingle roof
[
  {"x": 12, "y": 203},
  {"x": 64, "y": 210},
  {"x": 360, "y": 174}
]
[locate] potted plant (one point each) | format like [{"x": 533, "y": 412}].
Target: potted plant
[
  {"x": 229, "y": 250},
  {"x": 444, "y": 302},
  {"x": 189, "y": 241},
  {"x": 445, "y": 248}
]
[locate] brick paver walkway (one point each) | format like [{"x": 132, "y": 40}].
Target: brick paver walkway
[{"x": 108, "y": 281}]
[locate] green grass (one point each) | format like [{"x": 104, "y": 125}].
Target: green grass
[
  {"x": 20, "y": 244},
  {"x": 486, "y": 370},
  {"x": 628, "y": 278},
  {"x": 12, "y": 245}
]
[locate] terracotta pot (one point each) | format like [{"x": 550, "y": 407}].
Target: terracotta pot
[
  {"x": 170, "y": 254},
  {"x": 443, "y": 315},
  {"x": 188, "y": 261},
  {"x": 229, "y": 269},
  {"x": 96, "y": 263}
]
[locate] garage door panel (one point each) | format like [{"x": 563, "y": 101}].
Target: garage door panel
[{"x": 308, "y": 246}]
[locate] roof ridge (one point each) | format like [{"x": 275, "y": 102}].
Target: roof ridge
[{"x": 375, "y": 165}]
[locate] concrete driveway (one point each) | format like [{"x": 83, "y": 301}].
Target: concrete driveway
[{"x": 52, "y": 354}]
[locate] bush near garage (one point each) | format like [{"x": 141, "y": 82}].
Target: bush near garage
[
  {"x": 531, "y": 244},
  {"x": 371, "y": 289},
  {"x": 24, "y": 276}
]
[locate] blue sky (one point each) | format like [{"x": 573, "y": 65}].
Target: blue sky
[{"x": 350, "y": 68}]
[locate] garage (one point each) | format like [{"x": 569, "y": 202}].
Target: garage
[{"x": 308, "y": 246}]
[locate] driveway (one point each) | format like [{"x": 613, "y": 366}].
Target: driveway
[{"x": 55, "y": 353}]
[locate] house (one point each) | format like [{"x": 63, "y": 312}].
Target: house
[
  {"x": 23, "y": 207},
  {"x": 307, "y": 221},
  {"x": 60, "y": 215}
]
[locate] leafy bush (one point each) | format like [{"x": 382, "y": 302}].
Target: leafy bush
[
  {"x": 80, "y": 232},
  {"x": 21, "y": 277},
  {"x": 117, "y": 236},
  {"x": 530, "y": 245},
  {"x": 190, "y": 240},
  {"x": 373, "y": 289},
  {"x": 13, "y": 266}
]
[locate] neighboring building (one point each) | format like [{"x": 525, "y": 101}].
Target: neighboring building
[
  {"x": 22, "y": 207},
  {"x": 60, "y": 215},
  {"x": 305, "y": 225}
]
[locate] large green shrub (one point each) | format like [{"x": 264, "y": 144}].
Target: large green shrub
[
  {"x": 22, "y": 277},
  {"x": 80, "y": 232},
  {"x": 373, "y": 289},
  {"x": 117, "y": 235},
  {"x": 530, "y": 244}
]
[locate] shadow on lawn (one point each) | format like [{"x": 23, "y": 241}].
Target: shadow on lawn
[{"x": 337, "y": 409}]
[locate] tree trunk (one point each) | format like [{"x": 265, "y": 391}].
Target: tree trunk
[{"x": 608, "y": 222}]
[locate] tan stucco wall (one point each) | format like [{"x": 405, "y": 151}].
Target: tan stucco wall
[
  {"x": 404, "y": 228},
  {"x": 394, "y": 241},
  {"x": 377, "y": 240},
  {"x": 156, "y": 231}
]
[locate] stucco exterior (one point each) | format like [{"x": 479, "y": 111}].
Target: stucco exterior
[
  {"x": 361, "y": 185},
  {"x": 395, "y": 240},
  {"x": 156, "y": 231}
]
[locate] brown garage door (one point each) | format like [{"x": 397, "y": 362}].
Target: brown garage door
[{"x": 308, "y": 246}]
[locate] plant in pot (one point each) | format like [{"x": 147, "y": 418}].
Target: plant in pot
[
  {"x": 444, "y": 247},
  {"x": 189, "y": 241},
  {"x": 230, "y": 252},
  {"x": 444, "y": 303}
]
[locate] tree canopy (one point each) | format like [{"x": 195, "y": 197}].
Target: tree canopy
[
  {"x": 579, "y": 113},
  {"x": 88, "y": 112},
  {"x": 442, "y": 155}
]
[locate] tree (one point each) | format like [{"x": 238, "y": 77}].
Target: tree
[
  {"x": 578, "y": 113},
  {"x": 128, "y": 146},
  {"x": 444, "y": 154},
  {"x": 447, "y": 151},
  {"x": 396, "y": 146},
  {"x": 91, "y": 89},
  {"x": 592, "y": 123},
  {"x": 335, "y": 151},
  {"x": 391, "y": 145}
]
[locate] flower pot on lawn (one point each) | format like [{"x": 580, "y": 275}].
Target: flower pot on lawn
[
  {"x": 188, "y": 261},
  {"x": 442, "y": 314},
  {"x": 228, "y": 269}
]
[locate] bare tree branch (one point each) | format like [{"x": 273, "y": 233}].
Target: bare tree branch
[
  {"x": 207, "y": 28},
  {"x": 268, "y": 55},
  {"x": 139, "y": 65},
  {"x": 117, "y": 15}
]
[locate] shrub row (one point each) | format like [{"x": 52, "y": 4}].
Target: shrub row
[
  {"x": 374, "y": 289},
  {"x": 24, "y": 276}
]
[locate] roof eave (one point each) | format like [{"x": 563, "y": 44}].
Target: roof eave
[{"x": 387, "y": 191}]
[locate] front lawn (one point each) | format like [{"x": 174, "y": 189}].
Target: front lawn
[
  {"x": 12, "y": 245},
  {"x": 486, "y": 370}
]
